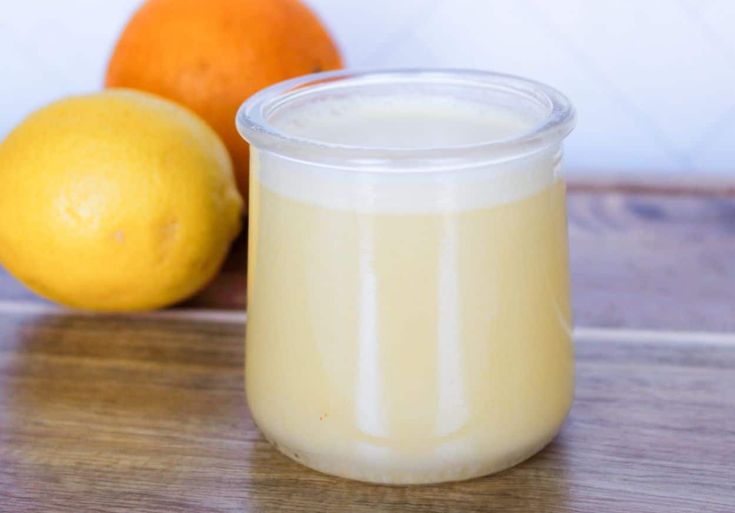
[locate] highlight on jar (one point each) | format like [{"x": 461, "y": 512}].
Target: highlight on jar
[{"x": 408, "y": 287}]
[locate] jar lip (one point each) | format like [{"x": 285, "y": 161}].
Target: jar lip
[{"x": 253, "y": 124}]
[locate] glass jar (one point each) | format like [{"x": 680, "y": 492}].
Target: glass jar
[{"x": 408, "y": 290}]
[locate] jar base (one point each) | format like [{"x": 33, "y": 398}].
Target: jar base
[{"x": 376, "y": 473}]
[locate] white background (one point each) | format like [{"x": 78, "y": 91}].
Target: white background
[{"x": 653, "y": 80}]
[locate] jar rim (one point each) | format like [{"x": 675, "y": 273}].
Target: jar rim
[{"x": 253, "y": 124}]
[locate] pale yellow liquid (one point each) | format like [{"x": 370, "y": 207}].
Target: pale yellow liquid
[{"x": 414, "y": 341}]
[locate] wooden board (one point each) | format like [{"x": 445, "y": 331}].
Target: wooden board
[
  {"x": 144, "y": 414},
  {"x": 653, "y": 259},
  {"x": 642, "y": 256}
]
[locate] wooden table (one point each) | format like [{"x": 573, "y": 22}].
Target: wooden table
[{"x": 145, "y": 413}]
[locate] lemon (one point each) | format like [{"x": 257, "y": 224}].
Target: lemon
[{"x": 115, "y": 201}]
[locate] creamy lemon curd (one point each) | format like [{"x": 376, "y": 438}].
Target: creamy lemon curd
[{"x": 409, "y": 319}]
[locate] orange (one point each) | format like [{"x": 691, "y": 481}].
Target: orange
[{"x": 211, "y": 55}]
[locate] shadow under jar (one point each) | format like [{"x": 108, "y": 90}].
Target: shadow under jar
[{"x": 408, "y": 297}]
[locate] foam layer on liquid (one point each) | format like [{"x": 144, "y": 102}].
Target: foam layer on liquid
[
  {"x": 404, "y": 122},
  {"x": 400, "y": 121}
]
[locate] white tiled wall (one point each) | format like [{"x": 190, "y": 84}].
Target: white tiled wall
[{"x": 653, "y": 80}]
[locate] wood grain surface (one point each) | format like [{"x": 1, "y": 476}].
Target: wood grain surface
[
  {"x": 653, "y": 259},
  {"x": 642, "y": 256},
  {"x": 147, "y": 415}
]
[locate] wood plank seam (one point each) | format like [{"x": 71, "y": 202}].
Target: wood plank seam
[{"x": 581, "y": 333}]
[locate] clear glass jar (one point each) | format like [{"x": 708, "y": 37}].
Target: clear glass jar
[{"x": 408, "y": 295}]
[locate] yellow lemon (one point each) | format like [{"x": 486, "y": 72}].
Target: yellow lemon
[{"x": 115, "y": 201}]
